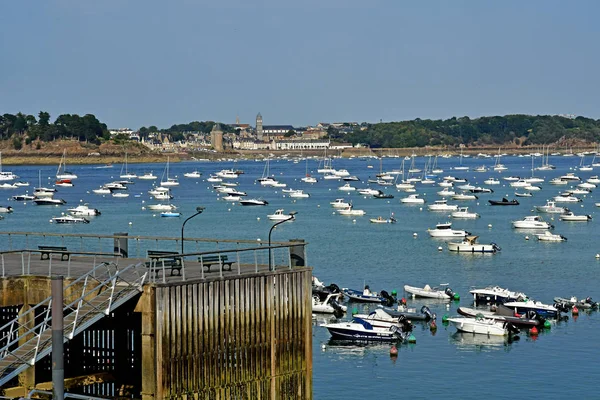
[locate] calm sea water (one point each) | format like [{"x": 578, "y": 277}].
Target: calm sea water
[{"x": 352, "y": 252}]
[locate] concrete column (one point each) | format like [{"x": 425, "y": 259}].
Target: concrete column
[
  {"x": 147, "y": 306},
  {"x": 58, "y": 354},
  {"x": 297, "y": 253}
]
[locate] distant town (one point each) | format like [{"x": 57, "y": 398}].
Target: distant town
[{"x": 240, "y": 136}]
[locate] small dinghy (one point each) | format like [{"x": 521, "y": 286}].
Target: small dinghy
[
  {"x": 366, "y": 296},
  {"x": 381, "y": 318},
  {"x": 381, "y": 220},
  {"x": 411, "y": 313},
  {"x": 432, "y": 293},
  {"x": 170, "y": 214},
  {"x": 586, "y": 304},
  {"x": 329, "y": 305},
  {"x": 550, "y": 237}
]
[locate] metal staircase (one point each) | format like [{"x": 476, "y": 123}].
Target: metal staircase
[{"x": 86, "y": 300}]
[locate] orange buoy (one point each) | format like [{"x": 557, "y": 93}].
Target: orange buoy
[
  {"x": 533, "y": 331},
  {"x": 575, "y": 310},
  {"x": 393, "y": 351}
]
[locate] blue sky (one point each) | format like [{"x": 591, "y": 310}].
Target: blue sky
[{"x": 150, "y": 62}]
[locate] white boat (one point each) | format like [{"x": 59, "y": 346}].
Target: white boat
[
  {"x": 511, "y": 178},
  {"x": 532, "y": 188},
  {"x": 6, "y": 209},
  {"x": 161, "y": 207},
  {"x": 6, "y": 175},
  {"x": 496, "y": 294},
  {"x": 524, "y": 307},
  {"x": 340, "y": 203},
  {"x": 114, "y": 186},
  {"x": 562, "y": 198},
  {"x": 102, "y": 190},
  {"x": 342, "y": 172},
  {"x": 231, "y": 197},
  {"x": 442, "y": 205},
  {"x": 570, "y": 177},
  {"x": 48, "y": 201},
  {"x": 579, "y": 191},
  {"x": 551, "y": 208},
  {"x": 331, "y": 304},
  {"x": 360, "y": 329},
  {"x": 350, "y": 211},
  {"x": 412, "y": 199},
  {"x": 63, "y": 183},
  {"x": 492, "y": 181},
  {"x": 61, "y": 172},
  {"x": 280, "y": 216},
  {"x": 194, "y": 174},
  {"x": 558, "y": 181},
  {"x": 586, "y": 185},
  {"x": 166, "y": 181},
  {"x": 331, "y": 177},
  {"x": 69, "y": 219},
  {"x": 84, "y": 210},
  {"x": 594, "y": 179},
  {"x": 148, "y": 176},
  {"x": 470, "y": 245},
  {"x": 125, "y": 174},
  {"x": 532, "y": 222},
  {"x": 431, "y": 293},
  {"x": 445, "y": 231},
  {"x": 481, "y": 168},
  {"x": 381, "y": 220},
  {"x": 120, "y": 195},
  {"x": 550, "y": 237},
  {"x": 299, "y": 194},
  {"x": 214, "y": 178},
  {"x": 519, "y": 184},
  {"x": 6, "y": 185},
  {"x": 445, "y": 184},
  {"x": 227, "y": 174},
  {"x": 464, "y": 196},
  {"x": 21, "y": 184},
  {"x": 569, "y": 216},
  {"x": 253, "y": 202},
  {"x": 23, "y": 197},
  {"x": 309, "y": 179},
  {"x": 347, "y": 188},
  {"x": 170, "y": 214},
  {"x": 482, "y": 326},
  {"x": 464, "y": 213}
]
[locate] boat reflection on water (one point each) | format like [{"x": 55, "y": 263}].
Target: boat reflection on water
[
  {"x": 356, "y": 347},
  {"x": 470, "y": 342}
]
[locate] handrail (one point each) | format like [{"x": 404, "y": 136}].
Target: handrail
[{"x": 202, "y": 253}]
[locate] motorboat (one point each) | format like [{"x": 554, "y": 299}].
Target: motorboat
[
  {"x": 479, "y": 189},
  {"x": 483, "y": 326},
  {"x": 280, "y": 216},
  {"x": 585, "y": 304},
  {"x": 569, "y": 216},
  {"x": 442, "y": 205},
  {"x": 405, "y": 186},
  {"x": 594, "y": 179},
  {"x": 114, "y": 186},
  {"x": 564, "y": 198},
  {"x": 6, "y": 185},
  {"x": 49, "y": 201},
  {"x": 369, "y": 191},
  {"x": 445, "y": 231},
  {"x": 342, "y": 172},
  {"x": 214, "y": 178},
  {"x": 83, "y": 211},
  {"x": 532, "y": 188},
  {"x": 253, "y": 202},
  {"x": 463, "y": 212},
  {"x": 579, "y": 191},
  {"x": 360, "y": 329},
  {"x": 70, "y": 219},
  {"x": 381, "y": 318},
  {"x": 570, "y": 177},
  {"x": 6, "y": 209},
  {"x": 350, "y": 211},
  {"x": 6, "y": 175},
  {"x": 446, "y": 184},
  {"x": 351, "y": 178},
  {"x": 120, "y": 195},
  {"x": 347, "y": 188},
  {"x": 161, "y": 207},
  {"x": 329, "y": 305},
  {"x": 470, "y": 245},
  {"x": 169, "y": 182},
  {"x": 170, "y": 214},
  {"x": 512, "y": 178},
  {"x": 517, "y": 194},
  {"x": 367, "y": 296},
  {"x": 64, "y": 183},
  {"x": 492, "y": 181},
  {"x": 558, "y": 181},
  {"x": 381, "y": 220},
  {"x": 532, "y": 222},
  {"x": 227, "y": 174},
  {"x": 102, "y": 190},
  {"x": 331, "y": 177},
  {"x": 21, "y": 184},
  {"x": 230, "y": 197},
  {"x": 412, "y": 199},
  {"x": 495, "y": 295},
  {"x": 550, "y": 237},
  {"x": 411, "y": 314},
  {"x": 381, "y": 195},
  {"x": 340, "y": 203},
  {"x": 446, "y": 192},
  {"x": 432, "y": 293},
  {"x": 551, "y": 208},
  {"x": 309, "y": 179},
  {"x": 584, "y": 185},
  {"x": 464, "y": 196},
  {"x": 23, "y": 197},
  {"x": 299, "y": 194},
  {"x": 193, "y": 174},
  {"x": 481, "y": 168},
  {"x": 503, "y": 314},
  {"x": 466, "y": 187},
  {"x": 504, "y": 202},
  {"x": 148, "y": 176},
  {"x": 541, "y": 309}
]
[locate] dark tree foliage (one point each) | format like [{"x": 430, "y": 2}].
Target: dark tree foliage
[
  {"x": 86, "y": 128},
  {"x": 517, "y": 129}
]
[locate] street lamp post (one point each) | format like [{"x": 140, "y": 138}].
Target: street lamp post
[
  {"x": 198, "y": 212},
  {"x": 291, "y": 217}
]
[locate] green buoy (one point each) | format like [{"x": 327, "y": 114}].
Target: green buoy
[
  {"x": 547, "y": 324},
  {"x": 445, "y": 319},
  {"x": 412, "y": 339},
  {"x": 354, "y": 311},
  {"x": 456, "y": 297}
]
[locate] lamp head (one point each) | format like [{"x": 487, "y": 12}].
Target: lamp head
[
  {"x": 292, "y": 213},
  {"x": 200, "y": 209}
]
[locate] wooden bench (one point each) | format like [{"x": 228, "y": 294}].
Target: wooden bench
[
  {"x": 218, "y": 259},
  {"x": 169, "y": 259},
  {"x": 47, "y": 250}
]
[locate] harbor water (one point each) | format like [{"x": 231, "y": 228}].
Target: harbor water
[{"x": 352, "y": 252}]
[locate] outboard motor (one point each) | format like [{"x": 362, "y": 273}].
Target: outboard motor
[
  {"x": 512, "y": 330},
  {"x": 495, "y": 246},
  {"x": 339, "y": 312},
  {"x": 450, "y": 293},
  {"x": 404, "y": 324},
  {"x": 387, "y": 300},
  {"x": 333, "y": 288},
  {"x": 427, "y": 312},
  {"x": 588, "y": 300}
]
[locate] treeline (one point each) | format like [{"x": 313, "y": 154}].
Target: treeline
[
  {"x": 509, "y": 129},
  {"x": 178, "y": 131},
  {"x": 67, "y": 126}
]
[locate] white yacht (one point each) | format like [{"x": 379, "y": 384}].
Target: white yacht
[
  {"x": 350, "y": 211},
  {"x": 464, "y": 196},
  {"x": 532, "y": 222},
  {"x": 299, "y": 194},
  {"x": 193, "y": 174},
  {"x": 558, "y": 181},
  {"x": 412, "y": 199},
  {"x": 470, "y": 245},
  {"x": 566, "y": 198},
  {"x": 340, "y": 203},
  {"x": 551, "y": 208},
  {"x": 519, "y": 183},
  {"x": 280, "y": 216},
  {"x": 570, "y": 177},
  {"x": 342, "y": 172},
  {"x": 464, "y": 213},
  {"x": 442, "y": 205},
  {"x": 161, "y": 207},
  {"x": 492, "y": 181},
  {"x": 446, "y": 192},
  {"x": 445, "y": 231},
  {"x": 568, "y": 215},
  {"x": 83, "y": 211},
  {"x": 347, "y": 188},
  {"x": 148, "y": 176},
  {"x": 550, "y": 237}
]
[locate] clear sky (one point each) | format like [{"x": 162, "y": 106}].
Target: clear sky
[{"x": 137, "y": 63}]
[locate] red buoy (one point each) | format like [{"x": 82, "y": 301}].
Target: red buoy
[
  {"x": 432, "y": 326},
  {"x": 575, "y": 310},
  {"x": 533, "y": 331},
  {"x": 393, "y": 351},
  {"x": 403, "y": 300}
]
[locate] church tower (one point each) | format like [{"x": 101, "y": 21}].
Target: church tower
[
  {"x": 259, "y": 127},
  {"x": 216, "y": 137}
]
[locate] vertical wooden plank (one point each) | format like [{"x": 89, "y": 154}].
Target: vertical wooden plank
[
  {"x": 308, "y": 331},
  {"x": 226, "y": 380},
  {"x": 205, "y": 335}
]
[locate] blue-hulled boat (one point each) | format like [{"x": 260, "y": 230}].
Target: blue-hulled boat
[
  {"x": 170, "y": 214},
  {"x": 367, "y": 296}
]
